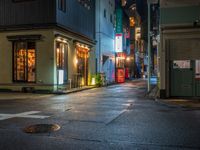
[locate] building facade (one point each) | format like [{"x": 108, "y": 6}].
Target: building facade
[
  {"x": 179, "y": 54},
  {"x": 105, "y": 51},
  {"x": 46, "y": 45}
]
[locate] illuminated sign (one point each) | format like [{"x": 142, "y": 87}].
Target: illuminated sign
[
  {"x": 137, "y": 33},
  {"x": 118, "y": 42},
  {"x": 119, "y": 19},
  {"x": 60, "y": 77},
  {"x": 121, "y": 55}
]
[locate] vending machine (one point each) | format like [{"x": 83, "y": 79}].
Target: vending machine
[
  {"x": 120, "y": 75},
  {"x": 120, "y": 67}
]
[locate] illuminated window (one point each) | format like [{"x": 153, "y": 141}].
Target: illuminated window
[
  {"x": 24, "y": 62},
  {"x": 197, "y": 69},
  {"x": 61, "y": 58},
  {"x": 123, "y": 2},
  {"x": 82, "y": 63},
  {"x": 60, "y": 55},
  {"x": 132, "y": 21},
  {"x": 62, "y": 5}
]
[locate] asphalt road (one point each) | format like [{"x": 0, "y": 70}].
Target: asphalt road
[{"x": 109, "y": 118}]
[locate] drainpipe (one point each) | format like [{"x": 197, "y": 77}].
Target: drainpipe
[
  {"x": 149, "y": 2},
  {"x": 99, "y": 37},
  {"x": 149, "y": 44}
]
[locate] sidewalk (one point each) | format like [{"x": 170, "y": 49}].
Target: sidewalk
[
  {"x": 176, "y": 102},
  {"x": 23, "y": 96},
  {"x": 73, "y": 90}
]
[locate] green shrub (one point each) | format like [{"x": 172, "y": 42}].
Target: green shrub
[{"x": 98, "y": 80}]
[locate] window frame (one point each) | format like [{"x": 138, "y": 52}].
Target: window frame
[
  {"x": 62, "y": 58},
  {"x": 26, "y": 69}
]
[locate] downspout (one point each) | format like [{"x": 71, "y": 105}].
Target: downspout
[{"x": 99, "y": 38}]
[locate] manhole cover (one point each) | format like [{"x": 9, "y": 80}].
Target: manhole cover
[{"x": 41, "y": 128}]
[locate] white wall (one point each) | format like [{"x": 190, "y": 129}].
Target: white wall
[{"x": 105, "y": 36}]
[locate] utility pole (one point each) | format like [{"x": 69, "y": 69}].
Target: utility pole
[
  {"x": 149, "y": 44},
  {"x": 149, "y": 2}
]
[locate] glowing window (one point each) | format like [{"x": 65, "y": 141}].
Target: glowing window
[{"x": 24, "y": 62}]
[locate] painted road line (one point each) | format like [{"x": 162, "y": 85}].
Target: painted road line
[{"x": 28, "y": 114}]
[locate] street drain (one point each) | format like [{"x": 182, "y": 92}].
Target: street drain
[{"x": 41, "y": 128}]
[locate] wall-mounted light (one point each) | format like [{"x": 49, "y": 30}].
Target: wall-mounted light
[
  {"x": 128, "y": 59},
  {"x": 93, "y": 81},
  {"x": 196, "y": 22},
  {"x": 60, "y": 39}
]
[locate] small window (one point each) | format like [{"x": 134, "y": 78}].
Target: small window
[
  {"x": 62, "y": 5},
  {"x": 60, "y": 49},
  {"x": 61, "y": 59},
  {"x": 104, "y": 13},
  {"x": 111, "y": 18},
  {"x": 24, "y": 61}
]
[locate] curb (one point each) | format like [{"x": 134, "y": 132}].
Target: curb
[
  {"x": 73, "y": 91},
  {"x": 175, "y": 105},
  {"x": 166, "y": 104}
]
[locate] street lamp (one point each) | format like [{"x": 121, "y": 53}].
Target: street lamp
[{"x": 149, "y": 2}]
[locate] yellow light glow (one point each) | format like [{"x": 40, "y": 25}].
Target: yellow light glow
[
  {"x": 93, "y": 81},
  {"x": 128, "y": 59},
  {"x": 75, "y": 61},
  {"x": 132, "y": 21},
  {"x": 82, "y": 81}
]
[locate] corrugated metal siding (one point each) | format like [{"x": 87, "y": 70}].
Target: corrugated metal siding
[
  {"x": 78, "y": 18},
  {"x": 185, "y": 49},
  {"x": 179, "y": 15},
  {"x": 29, "y": 12}
]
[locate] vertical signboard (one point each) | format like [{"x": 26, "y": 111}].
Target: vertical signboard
[
  {"x": 60, "y": 77},
  {"x": 118, "y": 43},
  {"x": 119, "y": 20}
]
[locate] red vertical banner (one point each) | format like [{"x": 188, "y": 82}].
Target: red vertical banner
[{"x": 120, "y": 75}]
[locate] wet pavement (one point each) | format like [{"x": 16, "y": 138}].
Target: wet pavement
[{"x": 114, "y": 117}]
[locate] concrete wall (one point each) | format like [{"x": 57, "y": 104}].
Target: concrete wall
[
  {"x": 177, "y": 44},
  {"x": 179, "y": 15},
  {"x": 176, "y": 24},
  {"x": 44, "y": 58},
  {"x": 105, "y": 37}
]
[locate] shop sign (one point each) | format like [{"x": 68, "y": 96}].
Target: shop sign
[
  {"x": 121, "y": 55},
  {"x": 60, "y": 77},
  {"x": 118, "y": 42},
  {"x": 119, "y": 18}
]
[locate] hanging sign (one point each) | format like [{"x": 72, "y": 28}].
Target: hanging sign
[{"x": 118, "y": 42}]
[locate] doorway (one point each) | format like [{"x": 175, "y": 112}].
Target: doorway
[
  {"x": 185, "y": 78},
  {"x": 181, "y": 78}
]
